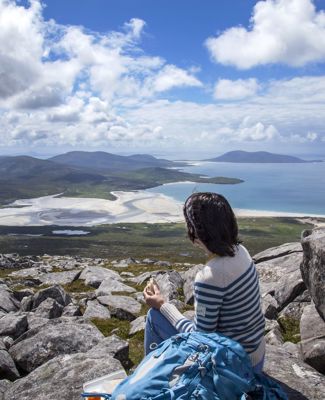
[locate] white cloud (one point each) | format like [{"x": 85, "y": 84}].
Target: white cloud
[
  {"x": 310, "y": 137},
  {"x": 65, "y": 85},
  {"x": 136, "y": 26},
  {"x": 171, "y": 76},
  {"x": 78, "y": 88},
  {"x": 284, "y": 112},
  {"x": 21, "y": 47},
  {"x": 41, "y": 62},
  {"x": 226, "y": 89},
  {"x": 282, "y": 31}
]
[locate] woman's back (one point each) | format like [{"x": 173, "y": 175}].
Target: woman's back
[{"x": 228, "y": 301}]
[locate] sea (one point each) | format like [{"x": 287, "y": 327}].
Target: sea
[{"x": 293, "y": 188}]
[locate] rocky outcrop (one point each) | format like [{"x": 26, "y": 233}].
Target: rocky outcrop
[
  {"x": 188, "y": 277},
  {"x": 60, "y": 278},
  {"x": 299, "y": 380},
  {"x": 13, "y": 325},
  {"x": 313, "y": 267},
  {"x": 62, "y": 377},
  {"x": 94, "y": 275},
  {"x": 8, "y": 302},
  {"x": 45, "y": 339},
  {"x": 110, "y": 286},
  {"x": 54, "y": 292},
  {"x": 121, "y": 307},
  {"x": 288, "y": 288},
  {"x": 276, "y": 252},
  {"x": 170, "y": 283},
  {"x": 4, "y": 386},
  {"x": 137, "y": 325},
  {"x": 112, "y": 346},
  {"x": 49, "y": 308},
  {"x": 56, "y": 337},
  {"x": 8, "y": 368},
  {"x": 96, "y": 310},
  {"x": 312, "y": 331}
]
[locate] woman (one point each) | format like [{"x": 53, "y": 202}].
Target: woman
[{"x": 226, "y": 290}]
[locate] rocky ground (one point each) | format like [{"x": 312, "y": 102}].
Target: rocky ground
[{"x": 64, "y": 320}]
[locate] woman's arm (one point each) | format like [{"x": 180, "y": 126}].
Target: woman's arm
[{"x": 207, "y": 303}]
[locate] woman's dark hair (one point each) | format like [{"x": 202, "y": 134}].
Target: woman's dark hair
[{"x": 210, "y": 219}]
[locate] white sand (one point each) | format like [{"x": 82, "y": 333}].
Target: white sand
[
  {"x": 137, "y": 206},
  {"x": 263, "y": 213}
]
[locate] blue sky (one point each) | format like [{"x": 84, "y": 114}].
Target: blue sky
[{"x": 164, "y": 77}]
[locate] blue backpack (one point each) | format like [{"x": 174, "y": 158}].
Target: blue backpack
[{"x": 197, "y": 365}]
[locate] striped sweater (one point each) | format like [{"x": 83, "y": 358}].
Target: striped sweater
[{"x": 226, "y": 300}]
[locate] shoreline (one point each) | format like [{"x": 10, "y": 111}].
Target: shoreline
[{"x": 128, "y": 207}]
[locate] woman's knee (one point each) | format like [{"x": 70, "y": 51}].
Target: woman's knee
[{"x": 153, "y": 315}]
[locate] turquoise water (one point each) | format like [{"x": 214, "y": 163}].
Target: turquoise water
[{"x": 296, "y": 188}]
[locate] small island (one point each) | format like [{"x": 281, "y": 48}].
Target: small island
[{"x": 239, "y": 156}]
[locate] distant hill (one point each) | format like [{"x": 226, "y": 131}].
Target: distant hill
[
  {"x": 239, "y": 156},
  {"x": 100, "y": 160},
  {"x": 82, "y": 174}
]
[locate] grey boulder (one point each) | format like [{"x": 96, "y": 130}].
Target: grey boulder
[
  {"x": 112, "y": 346},
  {"x": 137, "y": 325},
  {"x": 55, "y": 292},
  {"x": 169, "y": 283},
  {"x": 145, "y": 276},
  {"x": 8, "y": 302},
  {"x": 94, "y": 275},
  {"x": 110, "y": 285},
  {"x": 8, "y": 368},
  {"x": 60, "y": 278},
  {"x": 312, "y": 331},
  {"x": 13, "y": 325},
  {"x": 274, "y": 337},
  {"x": 21, "y": 294},
  {"x": 293, "y": 310},
  {"x": 288, "y": 288},
  {"x": 269, "y": 307},
  {"x": 278, "y": 251},
  {"x": 27, "y": 303},
  {"x": 188, "y": 287},
  {"x": 96, "y": 310},
  {"x": 4, "y": 386},
  {"x": 273, "y": 270},
  {"x": 71, "y": 310},
  {"x": 299, "y": 380},
  {"x": 47, "y": 341},
  {"x": 62, "y": 378},
  {"x": 313, "y": 266},
  {"x": 121, "y": 307},
  {"x": 49, "y": 308}
]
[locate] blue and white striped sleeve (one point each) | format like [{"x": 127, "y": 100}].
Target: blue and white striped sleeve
[{"x": 207, "y": 303}]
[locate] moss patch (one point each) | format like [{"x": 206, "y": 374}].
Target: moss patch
[{"x": 290, "y": 329}]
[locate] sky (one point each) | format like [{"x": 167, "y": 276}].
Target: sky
[{"x": 183, "y": 78}]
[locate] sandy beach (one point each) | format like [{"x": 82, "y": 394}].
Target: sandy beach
[
  {"x": 129, "y": 207},
  {"x": 139, "y": 206}
]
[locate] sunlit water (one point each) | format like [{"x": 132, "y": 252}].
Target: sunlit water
[{"x": 295, "y": 188}]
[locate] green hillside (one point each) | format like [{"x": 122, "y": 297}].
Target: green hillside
[{"x": 27, "y": 177}]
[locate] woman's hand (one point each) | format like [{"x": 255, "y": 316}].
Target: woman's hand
[{"x": 153, "y": 298}]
